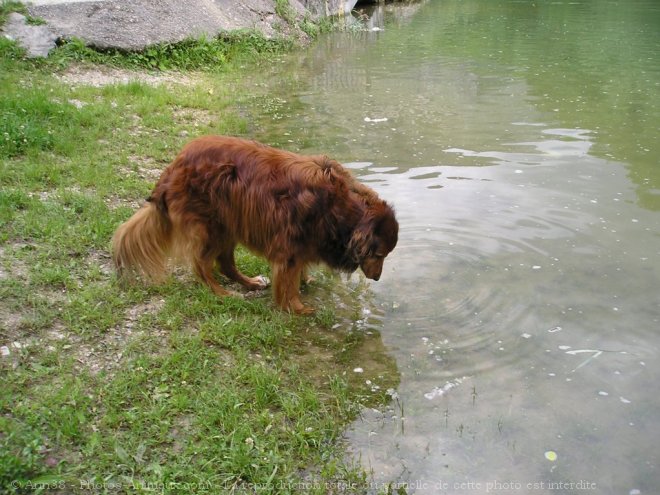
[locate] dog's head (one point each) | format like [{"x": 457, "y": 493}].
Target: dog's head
[{"x": 374, "y": 238}]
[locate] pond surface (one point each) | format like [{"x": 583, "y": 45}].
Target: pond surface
[{"x": 519, "y": 142}]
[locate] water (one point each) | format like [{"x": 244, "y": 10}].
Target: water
[{"x": 518, "y": 141}]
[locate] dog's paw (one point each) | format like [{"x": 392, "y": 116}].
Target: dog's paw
[
  {"x": 257, "y": 283},
  {"x": 263, "y": 281},
  {"x": 302, "y": 309},
  {"x": 305, "y": 310}
]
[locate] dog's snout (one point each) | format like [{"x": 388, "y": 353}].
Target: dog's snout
[{"x": 372, "y": 268}]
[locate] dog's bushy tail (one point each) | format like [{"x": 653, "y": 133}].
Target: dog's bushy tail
[{"x": 141, "y": 245}]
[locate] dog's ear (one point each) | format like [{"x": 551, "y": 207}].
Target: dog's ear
[
  {"x": 362, "y": 239},
  {"x": 377, "y": 230}
]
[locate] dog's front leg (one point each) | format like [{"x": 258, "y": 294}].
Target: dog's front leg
[
  {"x": 228, "y": 268},
  {"x": 286, "y": 286}
]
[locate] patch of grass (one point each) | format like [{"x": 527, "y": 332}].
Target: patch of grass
[
  {"x": 9, "y": 51},
  {"x": 24, "y": 124},
  {"x": 285, "y": 11},
  {"x": 21, "y": 455},
  {"x": 108, "y": 388},
  {"x": 204, "y": 53},
  {"x": 9, "y": 6}
]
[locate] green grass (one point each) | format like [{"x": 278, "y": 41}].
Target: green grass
[
  {"x": 110, "y": 388},
  {"x": 210, "y": 54},
  {"x": 285, "y": 11},
  {"x": 8, "y": 6}
]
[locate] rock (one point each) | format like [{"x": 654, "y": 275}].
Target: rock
[
  {"x": 137, "y": 24},
  {"x": 38, "y": 40}
]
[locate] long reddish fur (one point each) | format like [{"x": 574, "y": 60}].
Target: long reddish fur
[{"x": 292, "y": 209}]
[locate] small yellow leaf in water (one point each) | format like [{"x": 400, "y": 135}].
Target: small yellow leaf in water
[{"x": 551, "y": 455}]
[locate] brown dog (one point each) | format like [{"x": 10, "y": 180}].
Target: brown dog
[{"x": 292, "y": 209}]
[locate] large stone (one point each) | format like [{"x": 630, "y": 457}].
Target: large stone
[
  {"x": 38, "y": 40},
  {"x": 136, "y": 24}
]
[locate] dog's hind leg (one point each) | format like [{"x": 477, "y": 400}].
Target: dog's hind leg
[
  {"x": 228, "y": 268},
  {"x": 203, "y": 267},
  {"x": 286, "y": 286},
  {"x": 203, "y": 255}
]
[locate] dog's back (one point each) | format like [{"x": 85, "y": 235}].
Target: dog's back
[{"x": 247, "y": 191}]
